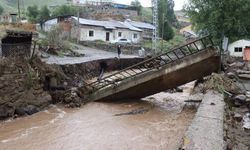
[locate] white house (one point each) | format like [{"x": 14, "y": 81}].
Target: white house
[
  {"x": 50, "y": 24},
  {"x": 92, "y": 30},
  {"x": 147, "y": 28},
  {"x": 237, "y": 48}
]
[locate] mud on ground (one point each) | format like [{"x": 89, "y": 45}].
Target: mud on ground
[{"x": 236, "y": 136}]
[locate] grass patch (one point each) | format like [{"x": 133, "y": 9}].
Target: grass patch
[{"x": 166, "y": 45}]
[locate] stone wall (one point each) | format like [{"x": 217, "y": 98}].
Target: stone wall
[{"x": 130, "y": 49}]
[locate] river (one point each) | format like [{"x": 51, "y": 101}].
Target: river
[{"x": 103, "y": 126}]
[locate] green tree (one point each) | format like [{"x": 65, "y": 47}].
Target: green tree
[
  {"x": 220, "y": 18},
  {"x": 64, "y": 10},
  {"x": 1, "y": 9},
  {"x": 166, "y": 18},
  {"x": 44, "y": 14},
  {"x": 170, "y": 16},
  {"x": 168, "y": 32},
  {"x": 32, "y": 13},
  {"x": 137, "y": 5}
]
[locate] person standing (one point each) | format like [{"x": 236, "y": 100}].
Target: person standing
[
  {"x": 119, "y": 51},
  {"x": 103, "y": 67}
]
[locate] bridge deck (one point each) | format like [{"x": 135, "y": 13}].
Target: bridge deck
[{"x": 158, "y": 73}]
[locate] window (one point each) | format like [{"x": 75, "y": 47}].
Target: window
[
  {"x": 91, "y": 33},
  {"x": 119, "y": 34},
  {"x": 238, "y": 49},
  {"x": 135, "y": 36}
]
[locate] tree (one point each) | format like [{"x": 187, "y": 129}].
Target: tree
[
  {"x": 168, "y": 33},
  {"x": 1, "y": 10},
  {"x": 44, "y": 14},
  {"x": 166, "y": 18},
  {"x": 220, "y": 18},
  {"x": 137, "y": 5},
  {"x": 170, "y": 16},
  {"x": 32, "y": 13},
  {"x": 64, "y": 10}
]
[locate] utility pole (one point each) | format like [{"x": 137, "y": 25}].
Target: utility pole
[
  {"x": 155, "y": 23},
  {"x": 162, "y": 31},
  {"x": 19, "y": 15},
  {"x": 78, "y": 22}
]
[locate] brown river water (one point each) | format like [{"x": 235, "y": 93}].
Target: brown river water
[{"x": 103, "y": 126}]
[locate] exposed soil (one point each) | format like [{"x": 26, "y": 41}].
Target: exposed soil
[
  {"x": 22, "y": 86},
  {"x": 237, "y": 118},
  {"x": 28, "y": 86},
  {"x": 236, "y": 136}
]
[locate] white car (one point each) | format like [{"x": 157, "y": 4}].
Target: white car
[{"x": 121, "y": 42}]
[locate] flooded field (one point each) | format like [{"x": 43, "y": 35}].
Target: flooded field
[{"x": 156, "y": 122}]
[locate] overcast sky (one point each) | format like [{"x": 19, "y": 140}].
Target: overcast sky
[{"x": 147, "y": 3}]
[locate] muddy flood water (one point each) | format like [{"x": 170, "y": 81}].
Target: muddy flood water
[{"x": 156, "y": 122}]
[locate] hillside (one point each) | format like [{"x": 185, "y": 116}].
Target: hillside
[{"x": 11, "y": 5}]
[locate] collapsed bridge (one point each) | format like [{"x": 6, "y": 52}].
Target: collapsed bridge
[{"x": 181, "y": 65}]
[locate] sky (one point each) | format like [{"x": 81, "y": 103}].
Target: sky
[{"x": 147, "y": 3}]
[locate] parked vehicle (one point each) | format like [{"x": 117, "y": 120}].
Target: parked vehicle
[{"x": 121, "y": 42}]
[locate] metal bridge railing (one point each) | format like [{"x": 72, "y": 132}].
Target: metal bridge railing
[{"x": 153, "y": 63}]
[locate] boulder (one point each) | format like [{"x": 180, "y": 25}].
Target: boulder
[
  {"x": 31, "y": 109},
  {"x": 231, "y": 75},
  {"x": 241, "y": 99},
  {"x": 246, "y": 121},
  {"x": 6, "y": 111},
  {"x": 237, "y": 117},
  {"x": 20, "y": 111}
]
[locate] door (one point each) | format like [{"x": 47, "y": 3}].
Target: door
[{"x": 107, "y": 36}]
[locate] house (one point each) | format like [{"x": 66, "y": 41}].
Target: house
[
  {"x": 147, "y": 28},
  {"x": 181, "y": 16},
  {"x": 8, "y": 18},
  {"x": 92, "y": 30},
  {"x": 188, "y": 33},
  {"x": 51, "y": 23},
  {"x": 240, "y": 48}
]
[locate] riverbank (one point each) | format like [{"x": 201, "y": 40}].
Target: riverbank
[{"x": 28, "y": 86}]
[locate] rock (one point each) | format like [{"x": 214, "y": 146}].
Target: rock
[
  {"x": 31, "y": 109},
  {"x": 244, "y": 76},
  {"x": 243, "y": 72},
  {"x": 6, "y": 111},
  {"x": 237, "y": 117},
  {"x": 246, "y": 121},
  {"x": 240, "y": 99},
  {"x": 179, "y": 89},
  {"x": 231, "y": 75},
  {"x": 20, "y": 111}
]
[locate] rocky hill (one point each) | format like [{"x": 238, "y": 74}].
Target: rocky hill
[{"x": 11, "y": 5}]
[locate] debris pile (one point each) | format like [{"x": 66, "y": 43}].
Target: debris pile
[{"x": 221, "y": 83}]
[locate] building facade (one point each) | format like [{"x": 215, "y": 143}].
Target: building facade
[
  {"x": 108, "y": 31},
  {"x": 237, "y": 48},
  {"x": 147, "y": 28}
]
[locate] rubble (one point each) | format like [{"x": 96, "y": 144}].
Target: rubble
[
  {"x": 246, "y": 121},
  {"x": 221, "y": 83}
]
